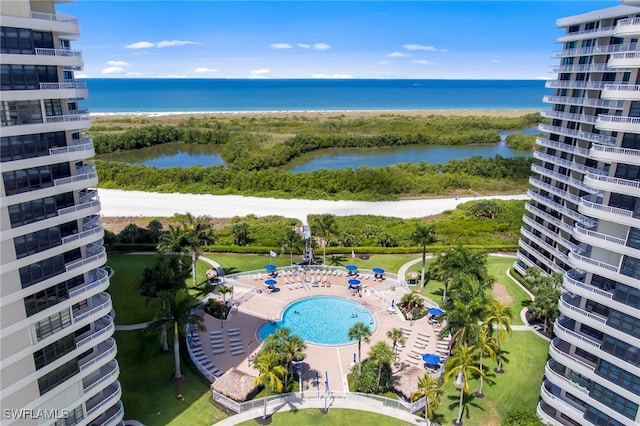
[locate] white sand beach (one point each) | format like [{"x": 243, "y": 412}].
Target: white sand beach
[{"x": 118, "y": 203}]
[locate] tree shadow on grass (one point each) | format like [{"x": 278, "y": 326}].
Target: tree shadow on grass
[{"x": 468, "y": 400}]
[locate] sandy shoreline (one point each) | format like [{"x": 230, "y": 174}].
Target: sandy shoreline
[{"x": 118, "y": 203}]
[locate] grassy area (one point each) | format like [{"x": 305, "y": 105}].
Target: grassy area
[
  {"x": 333, "y": 417},
  {"x": 518, "y": 388},
  {"x": 148, "y": 392}
]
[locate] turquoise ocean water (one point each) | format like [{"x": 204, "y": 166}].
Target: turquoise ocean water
[{"x": 190, "y": 95}]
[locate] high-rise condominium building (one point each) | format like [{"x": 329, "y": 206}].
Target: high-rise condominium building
[
  {"x": 583, "y": 220},
  {"x": 57, "y": 356}
]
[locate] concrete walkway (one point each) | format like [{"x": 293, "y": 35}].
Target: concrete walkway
[{"x": 342, "y": 403}]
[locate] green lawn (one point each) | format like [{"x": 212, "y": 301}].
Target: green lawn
[
  {"x": 148, "y": 393},
  {"x": 334, "y": 417}
]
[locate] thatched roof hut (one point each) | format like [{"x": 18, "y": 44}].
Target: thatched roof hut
[
  {"x": 406, "y": 383},
  {"x": 236, "y": 384}
]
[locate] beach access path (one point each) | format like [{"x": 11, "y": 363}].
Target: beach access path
[{"x": 119, "y": 203}]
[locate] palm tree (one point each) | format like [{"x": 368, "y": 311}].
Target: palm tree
[
  {"x": 326, "y": 226},
  {"x": 429, "y": 387},
  {"x": 173, "y": 241},
  {"x": 177, "y": 311},
  {"x": 459, "y": 260},
  {"x": 499, "y": 316},
  {"x": 292, "y": 241},
  {"x": 411, "y": 300},
  {"x": 460, "y": 364},
  {"x": 361, "y": 332},
  {"x": 423, "y": 236},
  {"x": 462, "y": 321},
  {"x": 397, "y": 337},
  {"x": 269, "y": 374},
  {"x": 199, "y": 232},
  {"x": 380, "y": 354},
  {"x": 240, "y": 232},
  {"x": 292, "y": 350},
  {"x": 154, "y": 229},
  {"x": 486, "y": 345}
]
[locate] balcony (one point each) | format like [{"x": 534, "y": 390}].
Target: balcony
[
  {"x": 554, "y": 190},
  {"x": 546, "y": 216},
  {"x": 561, "y": 115},
  {"x": 85, "y": 173},
  {"x": 624, "y": 60},
  {"x": 547, "y": 413},
  {"x": 571, "y": 281},
  {"x": 561, "y": 405},
  {"x": 574, "y": 84},
  {"x": 96, "y": 230},
  {"x": 572, "y": 165},
  {"x": 614, "y": 123},
  {"x": 539, "y": 227},
  {"x": 591, "y": 205},
  {"x": 100, "y": 257},
  {"x": 627, "y": 27},
  {"x": 613, "y": 184},
  {"x": 580, "y": 35},
  {"x": 539, "y": 256},
  {"x": 580, "y": 134},
  {"x": 56, "y": 22},
  {"x": 103, "y": 327},
  {"x": 94, "y": 205},
  {"x": 595, "y": 50},
  {"x": 585, "y": 263},
  {"x": 105, "y": 350},
  {"x": 622, "y": 92},
  {"x": 109, "y": 395},
  {"x": 600, "y": 67},
  {"x": 561, "y": 209},
  {"x": 79, "y": 115},
  {"x": 78, "y": 145},
  {"x": 588, "y": 102},
  {"x": 97, "y": 280},
  {"x": 99, "y": 304},
  {"x": 573, "y": 337},
  {"x": 612, "y": 154},
  {"x": 559, "y": 351},
  {"x": 565, "y": 147},
  {"x": 563, "y": 382},
  {"x": 568, "y": 307},
  {"x": 562, "y": 178},
  {"x": 108, "y": 373},
  {"x": 112, "y": 417},
  {"x": 542, "y": 243}
]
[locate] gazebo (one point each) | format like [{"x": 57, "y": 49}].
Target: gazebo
[{"x": 236, "y": 385}]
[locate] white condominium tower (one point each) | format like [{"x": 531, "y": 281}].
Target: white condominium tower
[
  {"x": 57, "y": 356},
  {"x": 583, "y": 220}
]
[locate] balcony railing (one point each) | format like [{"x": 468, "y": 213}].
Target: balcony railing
[
  {"x": 635, "y": 121},
  {"x": 79, "y": 116},
  {"x": 57, "y": 52},
  {"x": 562, "y": 329},
  {"x": 541, "y": 258},
  {"x": 562, "y": 178},
  {"x": 567, "y": 164},
  {"x": 555, "y": 348},
  {"x": 75, "y": 208},
  {"x": 105, "y": 325},
  {"x": 622, "y": 87},
  {"x": 540, "y": 242},
  {"x": 631, "y": 184},
  {"x": 561, "y": 209},
  {"x": 113, "y": 414},
  {"x": 102, "y": 276},
  {"x": 87, "y": 195},
  {"x": 70, "y": 238},
  {"x": 102, "y": 351},
  {"x": 595, "y": 50},
  {"x": 596, "y": 263},
  {"x": 581, "y": 118},
  {"x": 107, "y": 372},
  {"x": 625, "y": 55},
  {"x": 78, "y": 263},
  {"x": 566, "y": 305},
  {"x": 103, "y": 300},
  {"x": 602, "y": 67},
  {"x": 113, "y": 391},
  {"x": 587, "y": 202},
  {"x": 593, "y": 234},
  {"x": 574, "y": 84},
  {"x": 551, "y": 373},
  {"x": 588, "y": 136},
  {"x": 591, "y": 102},
  {"x": 546, "y": 216},
  {"x": 569, "y": 281},
  {"x": 75, "y": 85},
  {"x": 83, "y": 173},
  {"x": 71, "y": 148},
  {"x": 56, "y": 17},
  {"x": 553, "y": 190},
  {"x": 594, "y": 32},
  {"x": 565, "y": 147},
  {"x": 628, "y": 22}
]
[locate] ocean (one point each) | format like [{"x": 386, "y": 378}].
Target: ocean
[{"x": 135, "y": 95}]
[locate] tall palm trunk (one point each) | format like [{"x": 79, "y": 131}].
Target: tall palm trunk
[
  {"x": 165, "y": 343},
  {"x": 499, "y": 356},
  {"x": 481, "y": 379},
  {"x": 176, "y": 350},
  {"x": 459, "y": 420},
  {"x": 424, "y": 265},
  {"x": 359, "y": 357},
  {"x": 266, "y": 395},
  {"x": 194, "y": 260},
  {"x": 426, "y": 411}
]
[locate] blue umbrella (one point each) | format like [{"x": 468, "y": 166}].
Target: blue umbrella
[
  {"x": 270, "y": 282},
  {"x": 436, "y": 311},
  {"x": 351, "y": 267},
  {"x": 431, "y": 359},
  {"x": 354, "y": 282},
  {"x": 378, "y": 270},
  {"x": 270, "y": 267}
]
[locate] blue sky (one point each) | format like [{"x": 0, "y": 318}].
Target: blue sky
[{"x": 303, "y": 39}]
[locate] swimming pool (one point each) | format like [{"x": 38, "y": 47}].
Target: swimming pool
[{"x": 324, "y": 320}]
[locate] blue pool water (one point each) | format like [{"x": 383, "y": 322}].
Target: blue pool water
[{"x": 323, "y": 320}]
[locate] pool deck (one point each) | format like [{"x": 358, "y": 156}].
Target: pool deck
[{"x": 235, "y": 340}]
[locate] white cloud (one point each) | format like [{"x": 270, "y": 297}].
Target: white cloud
[
  {"x": 131, "y": 73},
  {"x": 118, "y": 63},
  {"x": 494, "y": 61},
  {"x": 140, "y": 45},
  {"x": 204, "y": 70},
  {"x": 113, "y": 70},
  {"x": 398, "y": 55},
  {"x": 331, "y": 76},
  {"x": 421, "y": 62},
  {"x": 321, "y": 46},
  {"x": 280, "y": 46},
  {"x": 260, "y": 71},
  {"x": 175, "y": 76},
  {"x": 172, "y": 43},
  {"x": 304, "y": 45},
  {"x": 422, "y": 47}
]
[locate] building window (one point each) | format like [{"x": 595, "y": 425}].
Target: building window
[
  {"x": 25, "y": 41},
  {"x": 618, "y": 376},
  {"x": 25, "y": 180},
  {"x": 630, "y": 267},
  {"x": 54, "y": 351},
  {"x": 33, "y": 211},
  {"x": 15, "y": 113},
  {"x": 57, "y": 376},
  {"x": 612, "y": 400},
  {"x": 620, "y": 349},
  {"x": 625, "y": 323},
  {"x": 628, "y": 295},
  {"x": 30, "y": 146},
  {"x": 47, "y": 268},
  {"x": 51, "y": 296},
  {"x": 73, "y": 417},
  {"x": 27, "y": 77},
  {"x": 54, "y": 323},
  {"x": 598, "y": 418}
]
